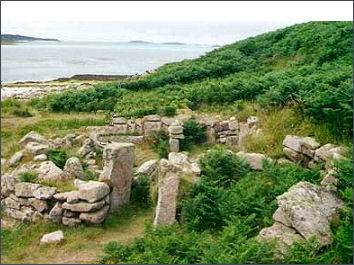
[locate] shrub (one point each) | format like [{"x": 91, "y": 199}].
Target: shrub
[
  {"x": 223, "y": 167},
  {"x": 194, "y": 133},
  {"x": 29, "y": 176},
  {"x": 140, "y": 192},
  {"x": 170, "y": 111},
  {"x": 22, "y": 113},
  {"x": 90, "y": 175},
  {"x": 58, "y": 157},
  {"x": 160, "y": 143}
]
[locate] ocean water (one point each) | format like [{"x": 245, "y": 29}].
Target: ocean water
[{"x": 41, "y": 61}]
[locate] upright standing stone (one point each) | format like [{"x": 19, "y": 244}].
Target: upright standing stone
[
  {"x": 169, "y": 175},
  {"x": 117, "y": 172}
]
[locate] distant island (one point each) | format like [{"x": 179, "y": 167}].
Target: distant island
[{"x": 13, "y": 38}]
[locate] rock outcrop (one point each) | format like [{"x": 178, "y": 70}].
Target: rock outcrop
[{"x": 52, "y": 238}]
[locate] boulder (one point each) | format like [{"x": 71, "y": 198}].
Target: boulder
[
  {"x": 83, "y": 206},
  {"x": 26, "y": 189},
  {"x": 150, "y": 127},
  {"x": 174, "y": 145},
  {"x": 175, "y": 129},
  {"x": 293, "y": 142},
  {"x": 17, "y": 157},
  {"x": 308, "y": 146},
  {"x": 8, "y": 184},
  {"x": 178, "y": 158},
  {"x": 36, "y": 148},
  {"x": 49, "y": 171},
  {"x": 24, "y": 214},
  {"x": 39, "y": 205},
  {"x": 73, "y": 168},
  {"x": 32, "y": 137},
  {"x": 328, "y": 152},
  {"x": 292, "y": 155},
  {"x": 255, "y": 160},
  {"x": 169, "y": 176},
  {"x": 308, "y": 209},
  {"x": 284, "y": 236},
  {"x": 56, "y": 213},
  {"x": 117, "y": 172},
  {"x": 93, "y": 191},
  {"x": 12, "y": 202},
  {"x": 44, "y": 193},
  {"x": 63, "y": 196},
  {"x": 152, "y": 118},
  {"x": 79, "y": 182},
  {"x": 42, "y": 157},
  {"x": 73, "y": 197},
  {"x": 148, "y": 168},
  {"x": 70, "y": 221},
  {"x": 52, "y": 238},
  {"x": 119, "y": 120},
  {"x": 95, "y": 217},
  {"x": 86, "y": 147},
  {"x": 330, "y": 181}
]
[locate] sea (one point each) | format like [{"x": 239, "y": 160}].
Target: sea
[{"x": 44, "y": 60}]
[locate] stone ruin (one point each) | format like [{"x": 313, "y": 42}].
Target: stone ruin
[{"x": 90, "y": 202}]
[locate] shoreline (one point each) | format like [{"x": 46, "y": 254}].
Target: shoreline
[{"x": 24, "y": 90}]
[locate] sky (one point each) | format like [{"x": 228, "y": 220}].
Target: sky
[{"x": 218, "y": 22}]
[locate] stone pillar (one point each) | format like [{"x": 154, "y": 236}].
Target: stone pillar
[
  {"x": 176, "y": 134},
  {"x": 117, "y": 172},
  {"x": 169, "y": 175}
]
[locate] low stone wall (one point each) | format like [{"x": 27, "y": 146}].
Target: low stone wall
[{"x": 29, "y": 202}]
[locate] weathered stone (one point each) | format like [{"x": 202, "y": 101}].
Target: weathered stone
[
  {"x": 32, "y": 137},
  {"x": 86, "y": 147},
  {"x": 169, "y": 176},
  {"x": 174, "y": 145},
  {"x": 292, "y": 155},
  {"x": 44, "y": 193},
  {"x": 8, "y": 184},
  {"x": 79, "y": 182},
  {"x": 233, "y": 125},
  {"x": 176, "y": 129},
  {"x": 73, "y": 168},
  {"x": 70, "y": 221},
  {"x": 11, "y": 202},
  {"x": 330, "y": 181},
  {"x": 284, "y": 161},
  {"x": 293, "y": 142},
  {"x": 95, "y": 217},
  {"x": 328, "y": 152},
  {"x": 119, "y": 120},
  {"x": 152, "y": 118},
  {"x": 63, "y": 196},
  {"x": 25, "y": 189},
  {"x": 176, "y": 136},
  {"x": 148, "y": 168},
  {"x": 150, "y": 127},
  {"x": 39, "y": 205},
  {"x": 177, "y": 158},
  {"x": 17, "y": 157},
  {"x": 254, "y": 160},
  {"x": 83, "y": 206},
  {"x": 117, "y": 171},
  {"x": 49, "y": 171},
  {"x": 52, "y": 238},
  {"x": 36, "y": 148},
  {"x": 93, "y": 191},
  {"x": 56, "y": 213},
  {"x": 73, "y": 197},
  {"x": 41, "y": 157},
  {"x": 24, "y": 214},
  {"x": 284, "y": 236},
  {"x": 308, "y": 209},
  {"x": 70, "y": 214},
  {"x": 244, "y": 132}
]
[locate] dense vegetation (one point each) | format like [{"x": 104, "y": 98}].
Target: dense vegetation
[
  {"x": 226, "y": 210},
  {"x": 308, "y": 66}
]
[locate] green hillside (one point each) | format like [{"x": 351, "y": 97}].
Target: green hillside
[{"x": 308, "y": 66}]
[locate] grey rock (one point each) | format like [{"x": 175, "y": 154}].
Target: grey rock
[
  {"x": 36, "y": 148},
  {"x": 49, "y": 171},
  {"x": 52, "y": 238},
  {"x": 32, "y": 137},
  {"x": 148, "y": 168},
  {"x": 17, "y": 157},
  {"x": 83, "y": 206},
  {"x": 39, "y": 205},
  {"x": 95, "y": 217},
  {"x": 73, "y": 168},
  {"x": 93, "y": 191},
  {"x": 70, "y": 221},
  {"x": 56, "y": 213},
  {"x": 293, "y": 142},
  {"x": 255, "y": 160},
  {"x": 44, "y": 193},
  {"x": 25, "y": 189},
  {"x": 8, "y": 184},
  {"x": 42, "y": 157},
  {"x": 174, "y": 145}
]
